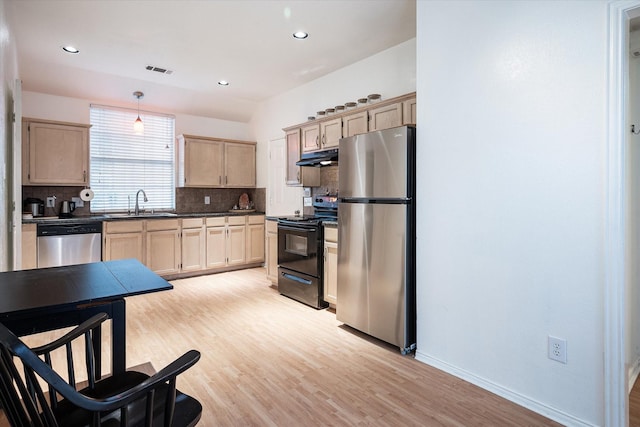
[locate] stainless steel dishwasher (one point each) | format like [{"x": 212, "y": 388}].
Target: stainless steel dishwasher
[{"x": 69, "y": 243}]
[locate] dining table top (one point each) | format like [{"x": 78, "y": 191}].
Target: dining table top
[{"x": 26, "y": 290}]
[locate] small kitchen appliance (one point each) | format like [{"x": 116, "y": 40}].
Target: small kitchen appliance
[
  {"x": 34, "y": 206},
  {"x": 66, "y": 209}
]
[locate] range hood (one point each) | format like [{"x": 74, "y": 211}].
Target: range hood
[{"x": 319, "y": 158}]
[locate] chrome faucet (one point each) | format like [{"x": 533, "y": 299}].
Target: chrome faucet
[{"x": 137, "y": 209}]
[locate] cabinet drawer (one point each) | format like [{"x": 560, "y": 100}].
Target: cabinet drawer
[
  {"x": 272, "y": 226},
  {"x": 331, "y": 234},
  {"x": 236, "y": 220},
  {"x": 192, "y": 222},
  {"x": 255, "y": 219},
  {"x": 163, "y": 224},
  {"x": 123, "y": 226},
  {"x": 216, "y": 221}
]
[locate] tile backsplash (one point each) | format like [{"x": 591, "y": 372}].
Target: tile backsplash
[
  {"x": 188, "y": 200},
  {"x": 191, "y": 200}
]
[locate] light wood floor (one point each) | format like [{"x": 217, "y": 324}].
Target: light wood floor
[{"x": 271, "y": 361}]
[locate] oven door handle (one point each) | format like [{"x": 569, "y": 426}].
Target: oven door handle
[
  {"x": 296, "y": 279},
  {"x": 284, "y": 227}
]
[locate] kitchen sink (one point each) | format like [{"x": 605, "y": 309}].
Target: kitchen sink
[{"x": 142, "y": 215}]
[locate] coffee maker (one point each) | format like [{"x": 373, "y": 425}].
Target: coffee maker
[{"x": 33, "y": 206}]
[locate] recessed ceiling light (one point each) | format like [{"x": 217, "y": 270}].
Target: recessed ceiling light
[
  {"x": 70, "y": 49},
  {"x": 300, "y": 35},
  {"x": 223, "y": 83}
]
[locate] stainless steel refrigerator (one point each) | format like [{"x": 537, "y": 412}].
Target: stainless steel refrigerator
[{"x": 376, "y": 235}]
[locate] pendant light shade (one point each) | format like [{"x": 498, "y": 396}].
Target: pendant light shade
[{"x": 138, "y": 126}]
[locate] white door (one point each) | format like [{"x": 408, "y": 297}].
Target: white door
[{"x": 282, "y": 200}]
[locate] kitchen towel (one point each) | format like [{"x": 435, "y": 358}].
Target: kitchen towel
[{"x": 87, "y": 195}]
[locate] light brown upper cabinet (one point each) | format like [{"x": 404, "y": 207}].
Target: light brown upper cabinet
[
  {"x": 54, "y": 153},
  {"x": 296, "y": 175},
  {"x": 385, "y": 117},
  {"x": 409, "y": 111},
  {"x": 330, "y": 133},
  {"x": 310, "y": 138},
  {"x": 213, "y": 162},
  {"x": 356, "y": 123},
  {"x": 240, "y": 165}
]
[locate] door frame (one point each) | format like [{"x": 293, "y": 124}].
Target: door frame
[{"x": 616, "y": 396}]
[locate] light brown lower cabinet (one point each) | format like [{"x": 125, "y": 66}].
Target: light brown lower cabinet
[
  {"x": 28, "y": 247},
  {"x": 271, "y": 246},
  {"x": 173, "y": 246},
  {"x": 236, "y": 240},
  {"x": 255, "y": 239},
  {"x": 163, "y": 246},
  {"x": 123, "y": 239},
  {"x": 193, "y": 244},
  {"x": 331, "y": 265}
]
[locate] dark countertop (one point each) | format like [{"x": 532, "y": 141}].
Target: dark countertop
[{"x": 121, "y": 217}]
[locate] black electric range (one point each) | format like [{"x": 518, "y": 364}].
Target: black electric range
[{"x": 300, "y": 252}]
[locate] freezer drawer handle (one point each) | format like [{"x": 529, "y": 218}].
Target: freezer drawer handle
[{"x": 296, "y": 279}]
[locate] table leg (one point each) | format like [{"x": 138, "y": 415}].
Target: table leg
[{"x": 118, "y": 337}]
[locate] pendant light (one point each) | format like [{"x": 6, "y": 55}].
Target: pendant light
[{"x": 138, "y": 126}]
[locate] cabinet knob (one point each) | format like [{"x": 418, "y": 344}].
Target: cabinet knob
[
  {"x": 317, "y": 143},
  {"x": 324, "y": 142},
  {"x": 84, "y": 176}
]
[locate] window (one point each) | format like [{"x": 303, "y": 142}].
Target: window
[{"x": 123, "y": 163}]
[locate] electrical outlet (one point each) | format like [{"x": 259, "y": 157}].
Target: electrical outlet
[
  {"x": 207, "y": 200},
  {"x": 51, "y": 202},
  {"x": 557, "y": 348}
]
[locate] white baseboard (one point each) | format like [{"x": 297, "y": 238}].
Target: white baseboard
[
  {"x": 634, "y": 371},
  {"x": 540, "y": 408}
]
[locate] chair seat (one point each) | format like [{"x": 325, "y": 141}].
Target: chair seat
[{"x": 71, "y": 416}]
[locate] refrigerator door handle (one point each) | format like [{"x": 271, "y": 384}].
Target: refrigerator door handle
[{"x": 372, "y": 200}]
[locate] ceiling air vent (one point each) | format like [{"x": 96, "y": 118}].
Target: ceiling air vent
[{"x": 159, "y": 69}]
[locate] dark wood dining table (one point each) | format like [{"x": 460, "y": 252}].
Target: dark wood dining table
[{"x": 45, "y": 299}]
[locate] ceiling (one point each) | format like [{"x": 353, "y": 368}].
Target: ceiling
[{"x": 246, "y": 42}]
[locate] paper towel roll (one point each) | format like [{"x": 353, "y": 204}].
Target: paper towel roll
[{"x": 87, "y": 195}]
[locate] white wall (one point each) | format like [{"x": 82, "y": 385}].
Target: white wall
[
  {"x": 8, "y": 75},
  {"x": 51, "y": 107},
  {"x": 511, "y": 148},
  {"x": 389, "y": 73}
]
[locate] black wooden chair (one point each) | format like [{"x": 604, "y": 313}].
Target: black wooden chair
[{"x": 127, "y": 399}]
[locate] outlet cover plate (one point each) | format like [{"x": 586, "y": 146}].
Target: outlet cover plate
[{"x": 557, "y": 349}]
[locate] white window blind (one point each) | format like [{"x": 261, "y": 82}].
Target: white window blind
[{"x": 123, "y": 163}]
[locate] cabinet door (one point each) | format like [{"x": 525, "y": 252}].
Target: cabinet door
[
  {"x": 122, "y": 246},
  {"x": 330, "y": 272},
  {"x": 293, "y": 155},
  {"x": 355, "y": 124},
  {"x": 236, "y": 242},
  {"x": 163, "y": 251},
  {"x": 255, "y": 243},
  {"x": 216, "y": 247},
  {"x": 240, "y": 165},
  {"x": 331, "y": 132},
  {"x": 310, "y": 138},
  {"x": 272, "y": 256},
  {"x": 385, "y": 117},
  {"x": 58, "y": 154},
  {"x": 409, "y": 111},
  {"x": 203, "y": 163},
  {"x": 29, "y": 249},
  {"x": 193, "y": 249}
]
